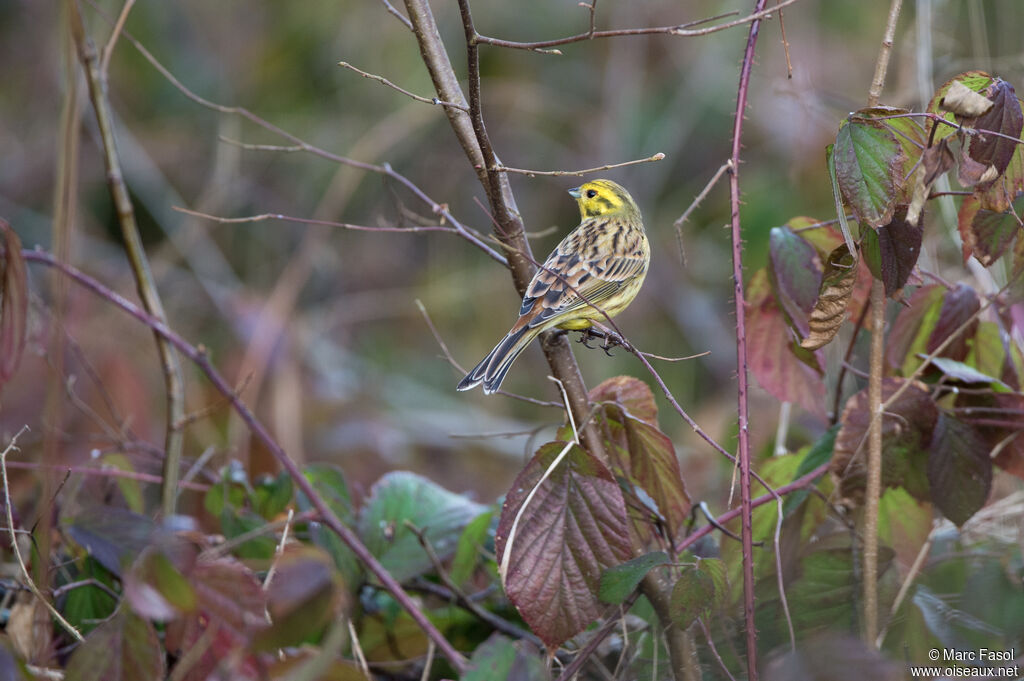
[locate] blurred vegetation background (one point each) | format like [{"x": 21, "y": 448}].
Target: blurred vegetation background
[{"x": 320, "y": 325}]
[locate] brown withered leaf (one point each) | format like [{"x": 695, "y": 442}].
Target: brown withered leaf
[
  {"x": 984, "y": 233},
  {"x": 13, "y": 302},
  {"x": 830, "y": 308},
  {"x": 937, "y": 160},
  {"x": 971, "y": 172},
  {"x": 963, "y": 101},
  {"x": 1005, "y": 117}
]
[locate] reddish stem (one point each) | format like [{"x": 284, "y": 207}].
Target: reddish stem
[{"x": 743, "y": 452}]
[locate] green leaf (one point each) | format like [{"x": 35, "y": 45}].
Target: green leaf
[
  {"x": 692, "y": 596},
  {"x": 868, "y": 160},
  {"x": 155, "y": 588},
  {"x": 88, "y": 605},
  {"x": 973, "y": 80},
  {"x": 819, "y": 453},
  {"x": 501, "y": 658},
  {"x": 401, "y": 497},
  {"x": 959, "y": 371},
  {"x": 959, "y": 469},
  {"x": 131, "y": 489},
  {"x": 619, "y": 581},
  {"x": 125, "y": 648},
  {"x": 329, "y": 482},
  {"x": 574, "y": 527},
  {"x": 912, "y": 327},
  {"x": 470, "y": 547},
  {"x": 272, "y": 494}
]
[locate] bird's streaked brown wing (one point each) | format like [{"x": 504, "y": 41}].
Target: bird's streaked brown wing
[{"x": 591, "y": 264}]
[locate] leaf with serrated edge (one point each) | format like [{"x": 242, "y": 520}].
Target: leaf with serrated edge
[
  {"x": 868, "y": 161},
  {"x": 1005, "y": 117},
  {"x": 574, "y": 527},
  {"x": 692, "y": 596}
]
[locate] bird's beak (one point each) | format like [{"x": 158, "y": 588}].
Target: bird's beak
[{"x": 574, "y": 192}]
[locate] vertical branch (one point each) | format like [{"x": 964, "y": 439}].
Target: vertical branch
[
  {"x": 144, "y": 281},
  {"x": 472, "y": 136},
  {"x": 874, "y": 482},
  {"x": 747, "y": 535}
]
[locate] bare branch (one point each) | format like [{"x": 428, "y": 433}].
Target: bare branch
[
  {"x": 398, "y": 15},
  {"x": 108, "y": 49},
  {"x": 577, "y": 173},
  {"x": 679, "y": 30}
]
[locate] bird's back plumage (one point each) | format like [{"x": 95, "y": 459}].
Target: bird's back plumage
[{"x": 597, "y": 269}]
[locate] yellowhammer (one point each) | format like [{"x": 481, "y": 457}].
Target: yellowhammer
[{"x": 596, "y": 270}]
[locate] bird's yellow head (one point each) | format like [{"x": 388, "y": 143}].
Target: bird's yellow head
[{"x": 603, "y": 197}]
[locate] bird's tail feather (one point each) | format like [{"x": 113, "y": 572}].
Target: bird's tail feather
[{"x": 492, "y": 369}]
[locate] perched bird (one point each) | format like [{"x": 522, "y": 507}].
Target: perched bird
[{"x": 596, "y": 270}]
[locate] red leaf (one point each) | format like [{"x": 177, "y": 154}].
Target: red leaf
[
  {"x": 958, "y": 305},
  {"x": 574, "y": 527},
  {"x": 771, "y": 345},
  {"x": 13, "y": 302},
  {"x": 125, "y": 648},
  {"x": 631, "y": 394}
]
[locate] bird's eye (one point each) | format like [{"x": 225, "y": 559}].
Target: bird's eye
[{"x": 591, "y": 193}]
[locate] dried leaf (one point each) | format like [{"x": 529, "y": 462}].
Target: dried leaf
[
  {"x": 574, "y": 528},
  {"x": 13, "y": 302},
  {"x": 963, "y": 101},
  {"x": 971, "y": 172},
  {"x": 125, "y": 648},
  {"x": 985, "y": 234},
  {"x": 937, "y": 160},
  {"x": 830, "y": 309},
  {"x": 976, "y": 81},
  {"x": 303, "y": 597},
  {"x": 1004, "y": 117}
]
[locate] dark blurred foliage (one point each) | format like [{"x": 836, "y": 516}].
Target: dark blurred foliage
[{"x": 320, "y": 324}]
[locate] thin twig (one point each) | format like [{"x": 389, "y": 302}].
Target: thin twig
[
  {"x": 105, "y": 472},
  {"x": 714, "y": 650},
  {"x": 174, "y": 380},
  {"x": 577, "y": 173},
  {"x": 679, "y": 30},
  {"x": 115, "y": 33},
  {"x": 12, "y": 446},
  {"x": 310, "y": 221},
  {"x": 458, "y": 367},
  {"x": 384, "y": 81},
  {"x": 198, "y": 356},
  {"x": 279, "y": 550},
  {"x": 678, "y": 224},
  {"x": 398, "y": 15}
]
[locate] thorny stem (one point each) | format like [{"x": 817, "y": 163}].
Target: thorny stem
[
  {"x": 874, "y": 482},
  {"x": 173, "y": 378},
  {"x": 743, "y": 444},
  {"x": 198, "y": 356}
]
